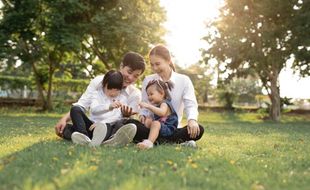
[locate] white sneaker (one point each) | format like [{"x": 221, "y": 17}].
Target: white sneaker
[
  {"x": 99, "y": 134},
  {"x": 122, "y": 136},
  {"x": 190, "y": 143},
  {"x": 80, "y": 138},
  {"x": 145, "y": 144}
]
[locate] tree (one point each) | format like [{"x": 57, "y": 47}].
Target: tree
[
  {"x": 201, "y": 80},
  {"x": 238, "y": 90},
  {"x": 262, "y": 36},
  {"x": 115, "y": 27},
  {"x": 43, "y": 36}
]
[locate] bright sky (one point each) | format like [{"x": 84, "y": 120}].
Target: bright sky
[{"x": 185, "y": 25}]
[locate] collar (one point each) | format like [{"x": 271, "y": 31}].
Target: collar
[
  {"x": 172, "y": 77},
  {"x": 127, "y": 90}
]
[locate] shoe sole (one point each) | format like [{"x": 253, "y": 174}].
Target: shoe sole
[
  {"x": 122, "y": 136},
  {"x": 79, "y": 138},
  {"x": 189, "y": 144},
  {"x": 99, "y": 134}
]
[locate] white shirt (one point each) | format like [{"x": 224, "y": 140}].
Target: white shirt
[
  {"x": 99, "y": 107},
  {"x": 182, "y": 95},
  {"x": 130, "y": 93}
]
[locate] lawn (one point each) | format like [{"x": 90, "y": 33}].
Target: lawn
[{"x": 238, "y": 151}]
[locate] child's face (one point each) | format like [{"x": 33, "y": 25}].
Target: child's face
[
  {"x": 155, "y": 96},
  {"x": 112, "y": 93}
]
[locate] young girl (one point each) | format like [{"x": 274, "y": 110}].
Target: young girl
[
  {"x": 165, "y": 120},
  {"x": 184, "y": 99},
  {"x": 103, "y": 109}
]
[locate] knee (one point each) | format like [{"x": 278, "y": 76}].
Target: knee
[
  {"x": 201, "y": 131},
  {"x": 67, "y": 132},
  {"x": 76, "y": 109}
]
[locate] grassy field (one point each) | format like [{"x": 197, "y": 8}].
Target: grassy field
[{"x": 238, "y": 151}]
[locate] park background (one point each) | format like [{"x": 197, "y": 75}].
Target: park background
[{"x": 240, "y": 56}]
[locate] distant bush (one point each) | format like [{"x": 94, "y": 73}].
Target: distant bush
[
  {"x": 62, "y": 88},
  {"x": 14, "y": 83},
  {"x": 72, "y": 85}
]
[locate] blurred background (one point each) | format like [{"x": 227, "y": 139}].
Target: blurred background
[{"x": 250, "y": 55}]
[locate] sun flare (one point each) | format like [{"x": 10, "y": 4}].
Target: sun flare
[{"x": 185, "y": 25}]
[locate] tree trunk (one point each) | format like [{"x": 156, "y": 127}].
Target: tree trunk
[
  {"x": 205, "y": 97},
  {"x": 41, "y": 99},
  {"x": 275, "y": 108},
  {"x": 49, "y": 105}
]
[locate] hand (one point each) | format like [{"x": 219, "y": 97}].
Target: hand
[
  {"x": 142, "y": 119},
  {"x": 92, "y": 127},
  {"x": 115, "y": 104},
  {"x": 127, "y": 111},
  {"x": 143, "y": 105},
  {"x": 193, "y": 128},
  {"x": 59, "y": 127}
]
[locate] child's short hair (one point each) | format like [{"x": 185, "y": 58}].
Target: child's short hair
[
  {"x": 113, "y": 80},
  {"x": 161, "y": 86}
]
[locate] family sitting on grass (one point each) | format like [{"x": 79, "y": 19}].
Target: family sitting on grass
[{"x": 112, "y": 100}]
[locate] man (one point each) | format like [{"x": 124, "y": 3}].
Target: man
[{"x": 132, "y": 67}]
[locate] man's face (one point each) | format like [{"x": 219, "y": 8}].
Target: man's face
[{"x": 130, "y": 76}]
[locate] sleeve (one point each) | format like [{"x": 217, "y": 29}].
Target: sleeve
[
  {"x": 189, "y": 99},
  {"x": 134, "y": 99},
  {"x": 96, "y": 107},
  {"x": 85, "y": 99},
  {"x": 143, "y": 111}
]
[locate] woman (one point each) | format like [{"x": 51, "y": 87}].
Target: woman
[{"x": 183, "y": 99}]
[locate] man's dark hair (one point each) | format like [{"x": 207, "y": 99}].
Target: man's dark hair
[
  {"x": 134, "y": 60},
  {"x": 113, "y": 80}
]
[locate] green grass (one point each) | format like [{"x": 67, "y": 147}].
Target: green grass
[{"x": 238, "y": 151}]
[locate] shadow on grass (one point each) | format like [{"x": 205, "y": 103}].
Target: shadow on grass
[{"x": 60, "y": 164}]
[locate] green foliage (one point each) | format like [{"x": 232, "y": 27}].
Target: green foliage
[
  {"x": 261, "y": 36},
  {"x": 200, "y": 79},
  {"x": 226, "y": 96},
  {"x": 283, "y": 102},
  {"x": 70, "y": 85},
  {"x": 286, "y": 102},
  {"x": 62, "y": 87},
  {"x": 238, "y": 151},
  {"x": 89, "y": 36},
  {"x": 14, "y": 83},
  {"x": 238, "y": 90}
]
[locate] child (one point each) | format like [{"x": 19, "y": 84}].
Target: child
[
  {"x": 103, "y": 109},
  {"x": 165, "y": 119}
]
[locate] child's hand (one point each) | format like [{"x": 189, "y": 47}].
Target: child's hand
[
  {"x": 115, "y": 104},
  {"x": 143, "y": 105},
  {"x": 92, "y": 127}
]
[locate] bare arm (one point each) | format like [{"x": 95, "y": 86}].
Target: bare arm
[
  {"x": 59, "y": 127},
  {"x": 161, "y": 111}
]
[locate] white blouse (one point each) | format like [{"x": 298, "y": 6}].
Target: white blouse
[{"x": 182, "y": 95}]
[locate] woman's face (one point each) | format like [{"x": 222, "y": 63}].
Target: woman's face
[{"x": 159, "y": 65}]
